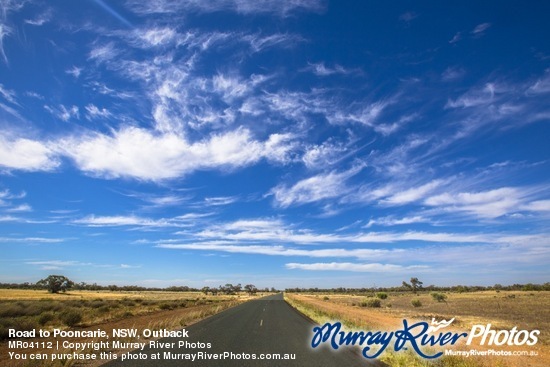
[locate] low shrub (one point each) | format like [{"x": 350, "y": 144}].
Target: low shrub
[
  {"x": 71, "y": 317},
  {"x": 373, "y": 303},
  {"x": 45, "y": 317},
  {"x": 382, "y": 295},
  {"x": 416, "y": 303},
  {"x": 439, "y": 297}
]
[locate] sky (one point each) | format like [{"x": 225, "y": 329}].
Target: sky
[{"x": 282, "y": 143}]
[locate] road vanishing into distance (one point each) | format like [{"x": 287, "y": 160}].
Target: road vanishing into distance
[{"x": 265, "y": 325}]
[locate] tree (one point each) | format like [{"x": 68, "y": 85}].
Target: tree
[
  {"x": 56, "y": 283},
  {"x": 415, "y": 285},
  {"x": 251, "y": 289}
]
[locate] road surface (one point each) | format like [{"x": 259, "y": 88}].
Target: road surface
[{"x": 266, "y": 325}]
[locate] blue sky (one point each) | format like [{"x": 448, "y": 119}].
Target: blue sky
[{"x": 299, "y": 143}]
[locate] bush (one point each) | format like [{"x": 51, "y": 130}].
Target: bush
[
  {"x": 71, "y": 317},
  {"x": 416, "y": 303},
  {"x": 326, "y": 298},
  {"x": 165, "y": 306},
  {"x": 439, "y": 297},
  {"x": 45, "y": 317},
  {"x": 373, "y": 303},
  {"x": 382, "y": 295}
]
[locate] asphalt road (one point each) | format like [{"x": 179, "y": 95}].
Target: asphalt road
[{"x": 266, "y": 325}]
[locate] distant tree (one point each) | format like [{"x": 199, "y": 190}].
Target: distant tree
[
  {"x": 414, "y": 286},
  {"x": 251, "y": 289},
  {"x": 55, "y": 283},
  {"x": 205, "y": 290}
]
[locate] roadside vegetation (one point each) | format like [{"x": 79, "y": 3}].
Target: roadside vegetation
[
  {"x": 57, "y": 302},
  {"x": 527, "y": 307}
]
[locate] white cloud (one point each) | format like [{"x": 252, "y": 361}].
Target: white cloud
[
  {"x": 336, "y": 266},
  {"x": 276, "y": 7},
  {"x": 412, "y": 194},
  {"x": 324, "y": 155},
  {"x": 457, "y": 37},
  {"x": 157, "y": 36},
  {"x": 27, "y": 155},
  {"x": 221, "y": 200},
  {"x": 452, "y": 74},
  {"x": 504, "y": 250},
  {"x": 94, "y": 112},
  {"x": 136, "y": 221},
  {"x": 74, "y": 71},
  {"x": 103, "y": 53},
  {"x": 262, "y": 230},
  {"x": 483, "y": 204},
  {"x": 475, "y": 97},
  {"x": 408, "y": 16},
  {"x": 9, "y": 95},
  {"x": 537, "y": 206},
  {"x": 20, "y": 209},
  {"x": 480, "y": 29},
  {"x": 4, "y": 31},
  {"x": 64, "y": 113},
  {"x": 32, "y": 240},
  {"x": 542, "y": 85},
  {"x": 313, "y": 189},
  {"x": 392, "y": 221},
  {"x": 320, "y": 69},
  {"x": 272, "y": 250},
  {"x": 141, "y": 154},
  {"x": 366, "y": 116}
]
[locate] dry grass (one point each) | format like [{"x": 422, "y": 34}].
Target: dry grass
[
  {"x": 30, "y": 294},
  {"x": 29, "y": 309},
  {"x": 504, "y": 310}
]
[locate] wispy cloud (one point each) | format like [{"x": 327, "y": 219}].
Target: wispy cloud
[
  {"x": 407, "y": 17},
  {"x": 64, "y": 113},
  {"x": 484, "y": 204},
  {"x": 31, "y": 240},
  {"x": 8, "y": 95},
  {"x": 452, "y": 74},
  {"x": 4, "y": 32},
  {"x": 313, "y": 189},
  {"x": 248, "y": 7},
  {"x": 74, "y": 71},
  {"x": 393, "y": 221},
  {"x": 412, "y": 194},
  {"x": 92, "y": 112},
  {"x": 480, "y": 29},
  {"x": 320, "y": 69},
  {"x": 336, "y": 266},
  {"x": 542, "y": 85},
  {"x": 182, "y": 221}
]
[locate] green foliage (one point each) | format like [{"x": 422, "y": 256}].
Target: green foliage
[
  {"x": 45, "y": 317},
  {"x": 371, "y": 302},
  {"x": 415, "y": 285},
  {"x": 439, "y": 297},
  {"x": 71, "y": 317},
  {"x": 382, "y": 295},
  {"x": 416, "y": 302},
  {"x": 166, "y": 306},
  {"x": 56, "y": 283}
]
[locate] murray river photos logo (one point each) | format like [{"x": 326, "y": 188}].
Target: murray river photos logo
[{"x": 418, "y": 336}]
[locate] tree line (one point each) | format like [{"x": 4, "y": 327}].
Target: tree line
[
  {"x": 60, "y": 283},
  {"x": 430, "y": 288}
]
